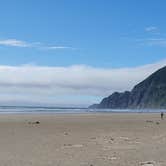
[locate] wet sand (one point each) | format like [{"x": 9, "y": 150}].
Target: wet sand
[{"x": 83, "y": 140}]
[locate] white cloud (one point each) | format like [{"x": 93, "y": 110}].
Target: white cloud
[
  {"x": 78, "y": 85},
  {"x": 37, "y": 45},
  {"x": 57, "y": 47},
  {"x": 14, "y": 43},
  {"x": 152, "y": 29},
  {"x": 156, "y": 39},
  {"x": 156, "y": 42},
  {"x": 161, "y": 42}
]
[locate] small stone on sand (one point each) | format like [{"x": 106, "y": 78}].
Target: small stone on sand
[
  {"x": 157, "y": 123},
  {"x": 148, "y": 163},
  {"x": 65, "y": 133},
  {"x": 149, "y": 121},
  {"x": 37, "y": 122}
]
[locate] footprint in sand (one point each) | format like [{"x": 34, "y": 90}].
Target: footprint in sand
[
  {"x": 77, "y": 146},
  {"x": 72, "y": 146}
]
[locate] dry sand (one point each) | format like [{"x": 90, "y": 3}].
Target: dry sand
[{"x": 83, "y": 140}]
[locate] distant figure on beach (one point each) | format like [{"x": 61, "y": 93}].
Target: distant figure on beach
[{"x": 162, "y": 115}]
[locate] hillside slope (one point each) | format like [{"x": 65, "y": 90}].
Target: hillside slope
[{"x": 150, "y": 93}]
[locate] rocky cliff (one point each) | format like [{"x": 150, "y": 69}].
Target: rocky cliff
[{"x": 150, "y": 93}]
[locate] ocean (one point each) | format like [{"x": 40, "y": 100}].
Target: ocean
[{"x": 55, "y": 110}]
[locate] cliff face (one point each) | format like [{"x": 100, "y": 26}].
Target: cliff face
[
  {"x": 150, "y": 93},
  {"x": 116, "y": 99}
]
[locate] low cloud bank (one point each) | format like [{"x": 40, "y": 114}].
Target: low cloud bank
[{"x": 67, "y": 85}]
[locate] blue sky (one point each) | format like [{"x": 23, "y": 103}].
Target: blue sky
[
  {"x": 107, "y": 35},
  {"x": 103, "y": 33}
]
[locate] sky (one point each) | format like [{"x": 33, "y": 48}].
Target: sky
[{"x": 74, "y": 53}]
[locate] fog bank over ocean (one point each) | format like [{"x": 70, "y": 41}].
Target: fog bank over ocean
[{"x": 77, "y": 85}]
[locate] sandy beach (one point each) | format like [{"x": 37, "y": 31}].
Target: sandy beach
[{"x": 83, "y": 140}]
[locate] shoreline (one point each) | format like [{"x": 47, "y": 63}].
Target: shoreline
[{"x": 61, "y": 112}]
